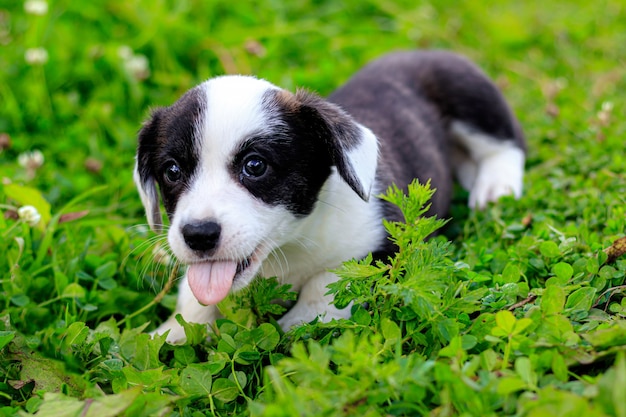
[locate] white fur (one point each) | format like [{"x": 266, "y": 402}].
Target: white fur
[
  {"x": 488, "y": 168},
  {"x": 364, "y": 160},
  {"x": 149, "y": 198}
]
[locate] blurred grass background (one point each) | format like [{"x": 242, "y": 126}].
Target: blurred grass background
[{"x": 108, "y": 62}]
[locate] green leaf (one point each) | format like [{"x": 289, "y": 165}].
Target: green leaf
[
  {"x": 147, "y": 378},
  {"x": 150, "y": 404},
  {"x": 361, "y": 316},
  {"x": 241, "y": 377},
  {"x": 523, "y": 367},
  {"x": 549, "y": 249},
  {"x": 269, "y": 337},
  {"x": 581, "y": 299},
  {"x": 226, "y": 344},
  {"x": 611, "y": 388},
  {"x": 195, "y": 333},
  {"x": 505, "y": 320},
  {"x": 106, "y": 270},
  {"x": 608, "y": 337},
  {"x": 225, "y": 390},
  {"x": 453, "y": 349},
  {"x": 468, "y": 341},
  {"x": 5, "y": 337},
  {"x": 559, "y": 367},
  {"x": 246, "y": 354},
  {"x": 74, "y": 290},
  {"x": 489, "y": 359},
  {"x": 107, "y": 283},
  {"x": 147, "y": 351},
  {"x": 563, "y": 271},
  {"x": 196, "y": 379},
  {"x": 20, "y": 300},
  {"x": 60, "y": 405},
  {"x": 48, "y": 374},
  {"x": 593, "y": 265},
  {"x": 75, "y": 335},
  {"x": 448, "y": 329},
  {"x": 33, "y": 404},
  {"x": 217, "y": 361},
  {"x": 391, "y": 331},
  {"x": 511, "y": 274},
  {"x": 185, "y": 355},
  {"x": 553, "y": 300},
  {"x": 511, "y": 384},
  {"x": 111, "y": 405}
]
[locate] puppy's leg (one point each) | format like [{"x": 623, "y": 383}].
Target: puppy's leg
[
  {"x": 488, "y": 167},
  {"x": 313, "y": 302},
  {"x": 191, "y": 310}
]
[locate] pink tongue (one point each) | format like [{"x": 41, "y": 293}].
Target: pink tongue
[{"x": 210, "y": 282}]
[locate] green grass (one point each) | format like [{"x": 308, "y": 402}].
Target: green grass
[{"x": 517, "y": 310}]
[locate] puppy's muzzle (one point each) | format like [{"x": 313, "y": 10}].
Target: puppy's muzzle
[{"x": 202, "y": 236}]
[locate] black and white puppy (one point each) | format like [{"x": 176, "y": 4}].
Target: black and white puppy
[{"x": 256, "y": 180}]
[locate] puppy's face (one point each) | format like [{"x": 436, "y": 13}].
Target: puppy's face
[{"x": 239, "y": 163}]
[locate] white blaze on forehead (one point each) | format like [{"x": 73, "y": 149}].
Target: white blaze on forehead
[{"x": 234, "y": 111}]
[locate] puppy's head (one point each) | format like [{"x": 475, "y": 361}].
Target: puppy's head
[{"x": 239, "y": 162}]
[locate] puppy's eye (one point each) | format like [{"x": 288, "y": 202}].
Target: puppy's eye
[
  {"x": 254, "y": 166},
  {"x": 173, "y": 173}
]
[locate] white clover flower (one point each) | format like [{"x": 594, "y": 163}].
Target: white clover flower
[
  {"x": 30, "y": 215},
  {"x": 138, "y": 67},
  {"x": 31, "y": 160},
  {"x": 36, "y": 7},
  {"x": 36, "y": 56},
  {"x": 604, "y": 115},
  {"x": 125, "y": 52}
]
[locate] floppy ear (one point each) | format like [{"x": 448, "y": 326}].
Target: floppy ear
[
  {"x": 144, "y": 173},
  {"x": 353, "y": 147}
]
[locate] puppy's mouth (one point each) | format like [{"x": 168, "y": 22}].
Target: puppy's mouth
[{"x": 211, "y": 280}]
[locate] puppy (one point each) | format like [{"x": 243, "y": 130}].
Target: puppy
[{"x": 256, "y": 180}]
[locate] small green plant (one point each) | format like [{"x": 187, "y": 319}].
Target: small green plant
[{"x": 425, "y": 336}]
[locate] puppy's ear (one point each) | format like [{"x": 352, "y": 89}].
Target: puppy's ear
[
  {"x": 353, "y": 147},
  {"x": 144, "y": 170}
]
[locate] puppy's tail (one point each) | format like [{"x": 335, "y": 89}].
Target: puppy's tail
[{"x": 488, "y": 145}]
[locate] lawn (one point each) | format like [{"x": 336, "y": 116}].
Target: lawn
[{"x": 517, "y": 310}]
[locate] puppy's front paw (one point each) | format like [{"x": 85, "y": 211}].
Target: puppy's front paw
[
  {"x": 304, "y": 312},
  {"x": 176, "y": 335}
]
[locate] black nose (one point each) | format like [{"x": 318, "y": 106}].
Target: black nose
[{"x": 202, "y": 236}]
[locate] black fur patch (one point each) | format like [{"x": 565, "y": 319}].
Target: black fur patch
[
  {"x": 169, "y": 138},
  {"x": 298, "y": 160}
]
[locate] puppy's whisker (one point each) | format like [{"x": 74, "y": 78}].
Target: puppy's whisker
[
  {"x": 306, "y": 243},
  {"x": 160, "y": 260},
  {"x": 277, "y": 257},
  {"x": 326, "y": 203}
]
